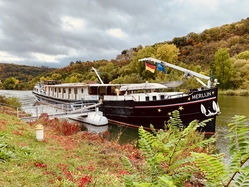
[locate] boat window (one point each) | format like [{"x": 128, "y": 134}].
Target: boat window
[
  {"x": 69, "y": 90},
  {"x": 93, "y": 90},
  {"x": 59, "y": 90},
  {"x": 82, "y": 90},
  {"x": 147, "y": 98},
  {"x": 162, "y": 96},
  {"x": 154, "y": 97},
  {"x": 103, "y": 90},
  {"x": 52, "y": 82}
]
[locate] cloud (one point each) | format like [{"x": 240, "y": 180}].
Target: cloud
[
  {"x": 72, "y": 24},
  {"x": 118, "y": 33},
  {"x": 54, "y": 33}
]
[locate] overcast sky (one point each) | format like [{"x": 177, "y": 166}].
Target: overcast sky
[{"x": 55, "y": 32}]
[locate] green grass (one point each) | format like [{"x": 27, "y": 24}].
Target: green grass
[{"x": 78, "y": 159}]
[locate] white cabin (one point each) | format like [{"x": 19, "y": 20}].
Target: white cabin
[{"x": 89, "y": 92}]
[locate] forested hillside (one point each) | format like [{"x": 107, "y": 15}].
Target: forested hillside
[
  {"x": 20, "y": 74},
  {"x": 220, "y": 52},
  {"x": 200, "y": 48}
]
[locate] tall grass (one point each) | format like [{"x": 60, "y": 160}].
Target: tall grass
[
  {"x": 234, "y": 92},
  {"x": 12, "y": 102}
]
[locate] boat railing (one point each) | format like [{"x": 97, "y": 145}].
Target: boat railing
[
  {"x": 175, "y": 95},
  {"x": 55, "y": 110},
  {"x": 134, "y": 98},
  {"x": 143, "y": 97},
  {"x": 36, "y": 111},
  {"x": 82, "y": 105},
  {"x": 118, "y": 97}
]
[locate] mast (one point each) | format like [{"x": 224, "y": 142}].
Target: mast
[
  {"x": 184, "y": 70},
  {"x": 97, "y": 75}
]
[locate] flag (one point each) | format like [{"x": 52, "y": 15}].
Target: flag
[
  {"x": 160, "y": 67},
  {"x": 150, "y": 67}
]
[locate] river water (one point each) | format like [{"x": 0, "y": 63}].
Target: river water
[
  {"x": 229, "y": 106},
  {"x": 26, "y": 97}
]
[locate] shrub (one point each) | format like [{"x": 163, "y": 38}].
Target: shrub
[
  {"x": 179, "y": 157},
  {"x": 12, "y": 102},
  {"x": 229, "y": 92},
  {"x": 243, "y": 93},
  {"x": 63, "y": 126},
  {"x": 237, "y": 172},
  {"x": 168, "y": 155}
]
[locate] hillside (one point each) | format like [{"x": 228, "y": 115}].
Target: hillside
[
  {"x": 200, "y": 48},
  {"x": 21, "y": 72}
]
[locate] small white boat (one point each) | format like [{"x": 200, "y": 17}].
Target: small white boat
[{"x": 93, "y": 121}]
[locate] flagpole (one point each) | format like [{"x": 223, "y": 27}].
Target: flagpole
[{"x": 185, "y": 71}]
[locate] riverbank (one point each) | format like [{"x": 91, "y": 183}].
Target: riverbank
[
  {"x": 234, "y": 92},
  {"x": 66, "y": 157}
]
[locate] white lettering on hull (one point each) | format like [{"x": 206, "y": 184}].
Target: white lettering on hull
[{"x": 201, "y": 95}]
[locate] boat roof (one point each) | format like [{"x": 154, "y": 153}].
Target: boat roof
[
  {"x": 68, "y": 85},
  {"x": 82, "y": 85},
  {"x": 173, "y": 84},
  {"x": 104, "y": 85},
  {"x": 130, "y": 87},
  {"x": 122, "y": 87},
  {"x": 142, "y": 86}
]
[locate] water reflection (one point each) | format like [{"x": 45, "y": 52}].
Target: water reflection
[
  {"x": 230, "y": 106},
  {"x": 122, "y": 134}
]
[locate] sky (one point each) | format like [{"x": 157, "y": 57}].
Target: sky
[{"x": 54, "y": 33}]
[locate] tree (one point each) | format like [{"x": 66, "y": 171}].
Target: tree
[
  {"x": 10, "y": 83},
  {"x": 223, "y": 68},
  {"x": 43, "y": 78},
  {"x": 74, "y": 79},
  {"x": 108, "y": 72},
  {"x": 56, "y": 76},
  {"x": 139, "y": 67},
  {"x": 240, "y": 78},
  {"x": 133, "y": 78},
  {"x": 243, "y": 55},
  {"x": 168, "y": 53},
  {"x": 71, "y": 63}
]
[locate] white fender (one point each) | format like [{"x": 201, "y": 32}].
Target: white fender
[
  {"x": 215, "y": 106},
  {"x": 203, "y": 110}
]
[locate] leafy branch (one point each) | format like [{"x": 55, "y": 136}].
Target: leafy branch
[
  {"x": 216, "y": 172},
  {"x": 167, "y": 153},
  {"x": 177, "y": 156}
]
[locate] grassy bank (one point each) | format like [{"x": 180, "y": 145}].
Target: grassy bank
[
  {"x": 69, "y": 157},
  {"x": 66, "y": 157}
]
